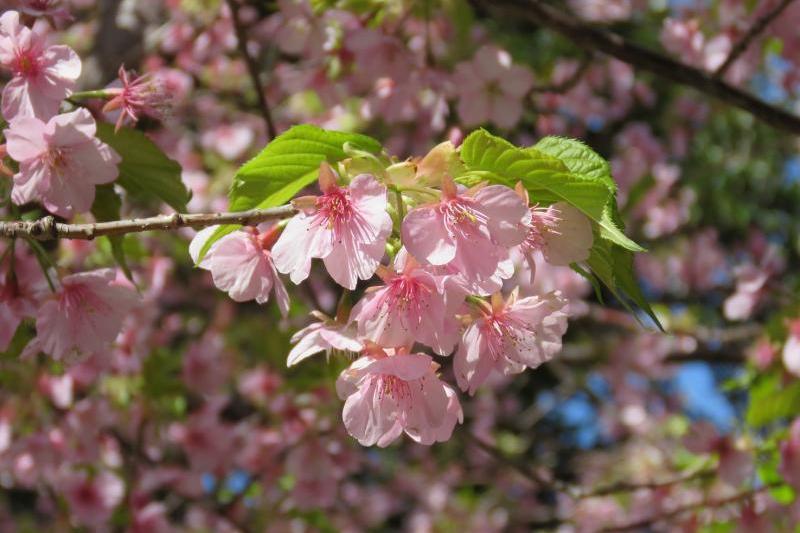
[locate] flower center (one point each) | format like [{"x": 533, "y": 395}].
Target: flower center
[
  {"x": 26, "y": 64},
  {"x": 460, "y": 217},
  {"x": 334, "y": 209},
  {"x": 58, "y": 159},
  {"x": 502, "y": 330},
  {"x": 393, "y": 387},
  {"x": 406, "y": 292},
  {"x": 543, "y": 221}
]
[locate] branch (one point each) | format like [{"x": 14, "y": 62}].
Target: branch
[
  {"x": 252, "y": 69},
  {"x": 747, "y": 39},
  {"x": 593, "y": 39},
  {"x": 647, "y": 523},
  {"x": 47, "y": 228}
]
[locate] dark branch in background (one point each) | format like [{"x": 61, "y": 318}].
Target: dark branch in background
[
  {"x": 252, "y": 69},
  {"x": 593, "y": 39},
  {"x": 47, "y": 228},
  {"x": 647, "y": 524},
  {"x": 568, "y": 84},
  {"x": 747, "y": 39}
]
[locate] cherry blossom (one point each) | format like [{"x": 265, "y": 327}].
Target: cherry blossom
[
  {"x": 346, "y": 227},
  {"x": 386, "y": 395},
  {"x": 791, "y": 350},
  {"x": 790, "y": 456},
  {"x": 411, "y": 306},
  {"x": 43, "y": 75},
  {"x": 21, "y": 285},
  {"x": 491, "y": 88},
  {"x": 242, "y": 264},
  {"x": 561, "y": 232},
  {"x": 133, "y": 96},
  {"x": 92, "y": 499},
  {"x": 60, "y": 161},
  {"x": 509, "y": 336},
  {"x": 469, "y": 230},
  {"x": 84, "y": 315},
  {"x": 326, "y": 335}
]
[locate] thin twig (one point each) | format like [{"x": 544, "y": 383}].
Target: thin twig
[
  {"x": 747, "y": 39},
  {"x": 594, "y": 39},
  {"x": 674, "y": 513},
  {"x": 252, "y": 69},
  {"x": 47, "y": 228}
]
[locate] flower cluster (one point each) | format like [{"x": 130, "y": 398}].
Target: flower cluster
[{"x": 439, "y": 250}]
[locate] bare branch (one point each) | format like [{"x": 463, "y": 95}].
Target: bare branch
[
  {"x": 594, "y": 39},
  {"x": 252, "y": 69},
  {"x": 747, "y": 39},
  {"x": 47, "y": 228},
  {"x": 647, "y": 523}
]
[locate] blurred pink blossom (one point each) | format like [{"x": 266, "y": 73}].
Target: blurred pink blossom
[
  {"x": 491, "y": 88},
  {"x": 43, "y": 75},
  {"x": 60, "y": 162}
]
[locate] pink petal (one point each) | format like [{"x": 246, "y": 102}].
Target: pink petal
[{"x": 426, "y": 238}]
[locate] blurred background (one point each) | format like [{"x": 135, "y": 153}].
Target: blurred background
[{"x": 193, "y": 423}]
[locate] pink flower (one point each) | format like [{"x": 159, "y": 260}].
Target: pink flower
[
  {"x": 206, "y": 367},
  {"x": 325, "y": 335},
  {"x": 18, "y": 293},
  {"x": 43, "y": 75},
  {"x": 241, "y": 264},
  {"x": 84, "y": 315},
  {"x": 471, "y": 231},
  {"x": 208, "y": 442},
  {"x": 410, "y": 307},
  {"x": 60, "y": 161},
  {"x": 791, "y": 350},
  {"x": 347, "y": 228},
  {"x": 137, "y": 95},
  {"x": 790, "y": 456},
  {"x": 509, "y": 336},
  {"x": 735, "y": 465},
  {"x": 751, "y": 282},
  {"x": 491, "y": 88},
  {"x": 561, "y": 232},
  {"x": 386, "y": 395},
  {"x": 92, "y": 499}
]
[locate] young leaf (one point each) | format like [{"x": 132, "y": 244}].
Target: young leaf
[
  {"x": 145, "y": 171},
  {"x": 288, "y": 164},
  {"x": 613, "y": 265},
  {"x": 583, "y": 161},
  {"x": 547, "y": 179}
]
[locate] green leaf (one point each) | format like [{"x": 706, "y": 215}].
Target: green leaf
[
  {"x": 145, "y": 171},
  {"x": 106, "y": 206},
  {"x": 613, "y": 265},
  {"x": 583, "y": 161},
  {"x": 560, "y": 169},
  {"x": 579, "y": 158},
  {"x": 770, "y": 401},
  {"x": 288, "y": 164},
  {"x": 547, "y": 179}
]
